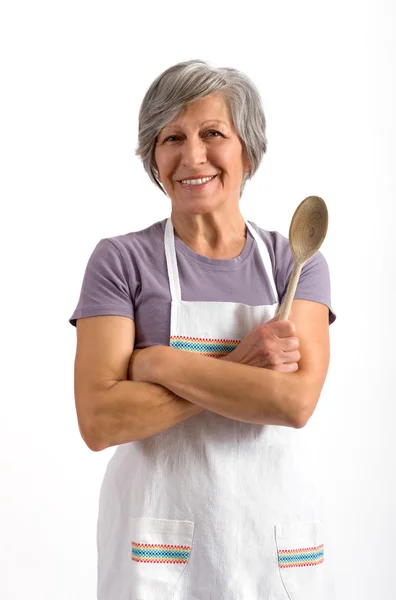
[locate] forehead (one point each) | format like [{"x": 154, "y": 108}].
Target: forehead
[{"x": 212, "y": 109}]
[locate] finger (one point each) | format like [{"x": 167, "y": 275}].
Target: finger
[
  {"x": 287, "y": 344},
  {"x": 274, "y": 319},
  {"x": 283, "y": 328},
  {"x": 285, "y": 367},
  {"x": 278, "y": 358},
  {"x": 290, "y": 368},
  {"x": 291, "y": 357}
]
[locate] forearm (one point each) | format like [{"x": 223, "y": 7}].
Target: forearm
[
  {"x": 236, "y": 391},
  {"x": 134, "y": 410}
]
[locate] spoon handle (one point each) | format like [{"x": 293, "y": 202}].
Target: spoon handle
[{"x": 291, "y": 290}]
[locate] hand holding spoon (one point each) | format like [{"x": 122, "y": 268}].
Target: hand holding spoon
[{"x": 308, "y": 229}]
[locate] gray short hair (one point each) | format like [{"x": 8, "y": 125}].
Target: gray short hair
[{"x": 187, "y": 81}]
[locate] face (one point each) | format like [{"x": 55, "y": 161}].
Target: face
[{"x": 201, "y": 142}]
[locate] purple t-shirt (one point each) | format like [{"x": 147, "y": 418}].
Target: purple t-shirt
[{"x": 126, "y": 275}]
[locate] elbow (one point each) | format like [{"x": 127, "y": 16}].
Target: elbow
[
  {"x": 299, "y": 420},
  {"x": 89, "y": 433},
  {"x": 303, "y": 409},
  {"x": 94, "y": 444},
  {"x": 92, "y": 422}
]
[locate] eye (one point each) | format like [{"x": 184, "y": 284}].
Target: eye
[
  {"x": 170, "y": 137},
  {"x": 214, "y": 131}
]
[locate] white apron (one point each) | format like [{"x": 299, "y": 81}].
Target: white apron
[{"x": 212, "y": 508}]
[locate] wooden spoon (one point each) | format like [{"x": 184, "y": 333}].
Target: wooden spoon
[{"x": 308, "y": 229}]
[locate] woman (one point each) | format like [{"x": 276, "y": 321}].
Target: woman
[{"x": 218, "y": 505}]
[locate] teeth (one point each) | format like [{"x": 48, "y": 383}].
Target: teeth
[{"x": 197, "y": 181}]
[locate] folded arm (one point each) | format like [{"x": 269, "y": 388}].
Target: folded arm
[
  {"x": 112, "y": 410},
  {"x": 254, "y": 394}
]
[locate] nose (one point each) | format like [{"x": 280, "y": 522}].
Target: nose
[{"x": 193, "y": 152}]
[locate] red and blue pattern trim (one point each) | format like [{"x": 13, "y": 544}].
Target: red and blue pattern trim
[
  {"x": 301, "y": 557},
  {"x": 160, "y": 553},
  {"x": 204, "y": 346}
]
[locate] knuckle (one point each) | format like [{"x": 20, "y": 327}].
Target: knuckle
[
  {"x": 296, "y": 342},
  {"x": 290, "y": 344},
  {"x": 285, "y": 328},
  {"x": 279, "y": 360},
  {"x": 292, "y": 328},
  {"x": 266, "y": 345},
  {"x": 272, "y": 358},
  {"x": 289, "y": 367},
  {"x": 278, "y": 367}
]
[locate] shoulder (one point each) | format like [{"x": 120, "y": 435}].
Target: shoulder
[
  {"x": 133, "y": 241},
  {"x": 126, "y": 251}
]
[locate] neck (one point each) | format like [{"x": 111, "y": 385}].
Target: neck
[{"x": 223, "y": 237}]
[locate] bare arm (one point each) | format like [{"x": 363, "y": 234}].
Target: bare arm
[
  {"x": 134, "y": 410},
  {"x": 112, "y": 410},
  {"x": 248, "y": 393},
  {"x": 236, "y": 391}
]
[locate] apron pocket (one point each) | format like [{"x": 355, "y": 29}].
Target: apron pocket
[
  {"x": 300, "y": 551},
  {"x": 160, "y": 551}
]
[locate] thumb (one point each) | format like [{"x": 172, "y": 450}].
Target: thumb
[
  {"x": 274, "y": 319},
  {"x": 277, "y": 316}
]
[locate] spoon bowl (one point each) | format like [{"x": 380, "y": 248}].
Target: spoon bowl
[
  {"x": 308, "y": 228},
  {"x": 307, "y": 231}
]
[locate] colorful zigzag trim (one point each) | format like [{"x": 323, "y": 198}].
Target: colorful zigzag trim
[
  {"x": 160, "y": 553},
  {"x": 301, "y": 557},
  {"x": 206, "y": 347}
]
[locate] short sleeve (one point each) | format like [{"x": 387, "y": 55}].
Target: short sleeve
[
  {"x": 314, "y": 281},
  {"x": 106, "y": 286},
  {"x": 313, "y": 284}
]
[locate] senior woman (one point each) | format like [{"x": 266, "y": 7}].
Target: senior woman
[{"x": 183, "y": 364}]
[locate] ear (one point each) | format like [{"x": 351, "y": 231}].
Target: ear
[
  {"x": 247, "y": 167},
  {"x": 156, "y": 171}
]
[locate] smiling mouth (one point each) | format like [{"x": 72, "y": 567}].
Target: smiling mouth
[{"x": 197, "y": 186}]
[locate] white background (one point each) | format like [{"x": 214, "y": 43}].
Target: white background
[{"x": 73, "y": 75}]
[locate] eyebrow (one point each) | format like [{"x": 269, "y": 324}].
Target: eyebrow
[
  {"x": 172, "y": 126},
  {"x": 215, "y": 121}
]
